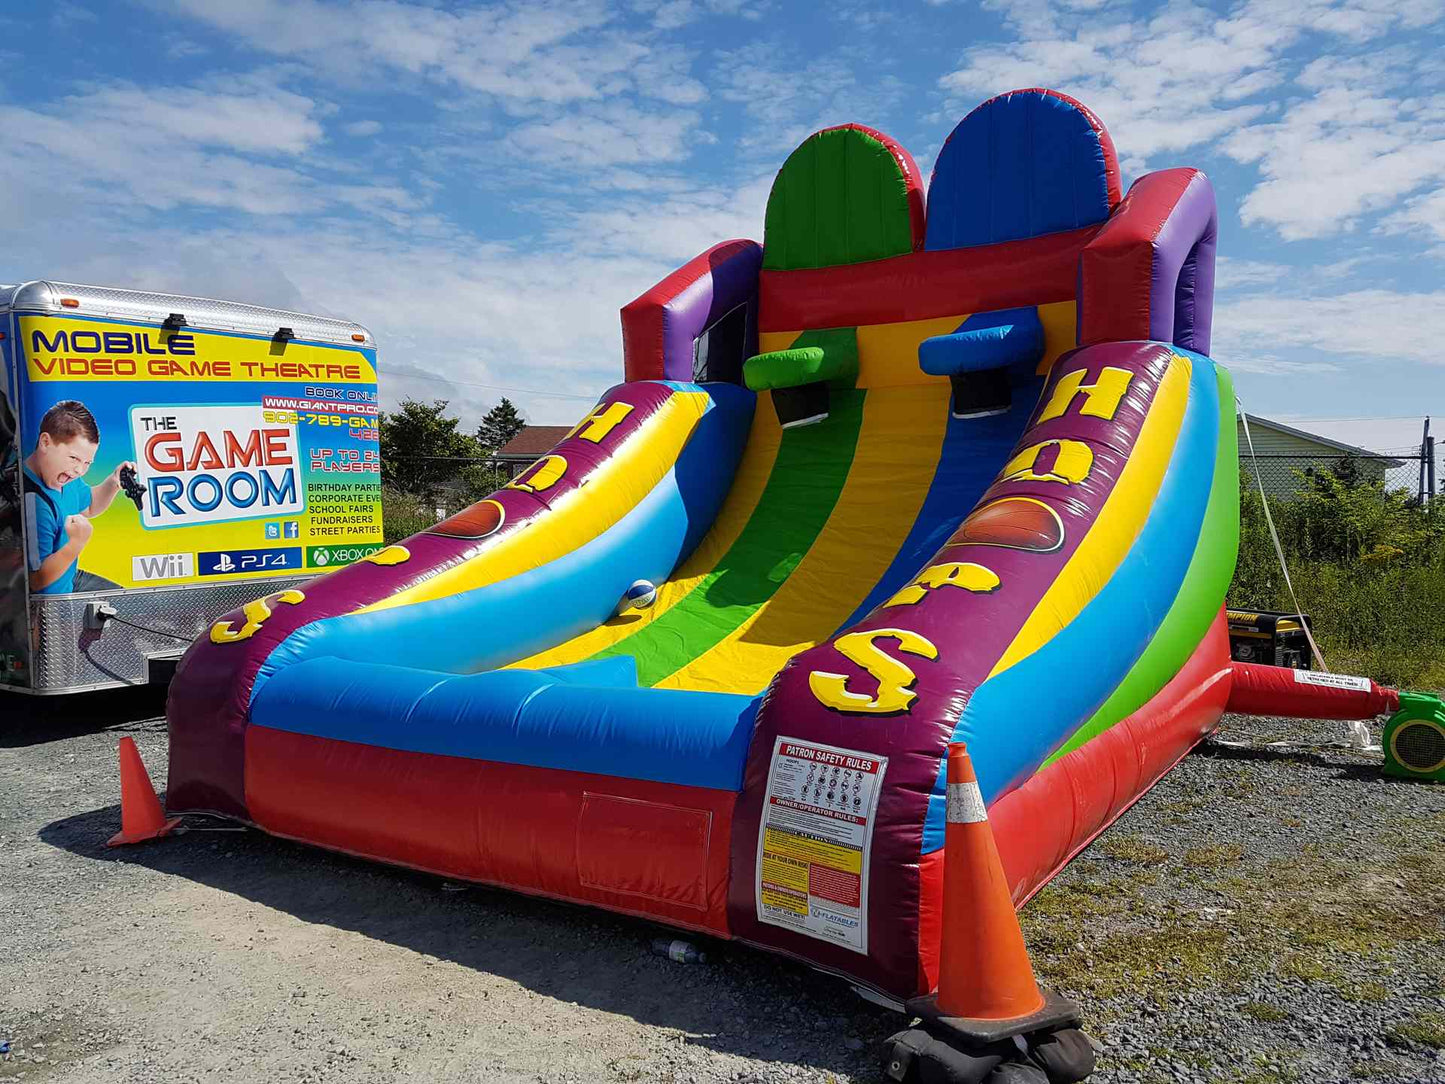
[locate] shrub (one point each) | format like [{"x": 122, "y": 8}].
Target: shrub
[
  {"x": 1368, "y": 565},
  {"x": 404, "y": 514}
]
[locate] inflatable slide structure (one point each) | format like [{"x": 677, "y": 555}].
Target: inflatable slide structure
[{"x": 889, "y": 480}]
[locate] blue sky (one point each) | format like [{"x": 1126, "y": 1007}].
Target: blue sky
[{"x": 484, "y": 185}]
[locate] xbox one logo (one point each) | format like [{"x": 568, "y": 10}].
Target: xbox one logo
[{"x": 321, "y": 557}]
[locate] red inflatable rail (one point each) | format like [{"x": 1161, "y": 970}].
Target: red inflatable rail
[{"x": 1307, "y": 694}]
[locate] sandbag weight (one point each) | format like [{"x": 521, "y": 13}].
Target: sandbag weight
[
  {"x": 1017, "y": 1072},
  {"x": 915, "y": 1057},
  {"x": 1066, "y": 1056}
]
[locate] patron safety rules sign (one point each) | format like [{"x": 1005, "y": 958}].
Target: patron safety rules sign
[{"x": 813, "y": 843}]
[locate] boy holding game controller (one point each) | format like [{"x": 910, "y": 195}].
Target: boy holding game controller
[{"x": 59, "y": 505}]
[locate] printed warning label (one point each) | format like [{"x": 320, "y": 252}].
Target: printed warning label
[
  {"x": 818, "y": 815},
  {"x": 1332, "y": 681}
]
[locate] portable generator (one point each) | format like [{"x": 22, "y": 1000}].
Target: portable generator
[
  {"x": 1414, "y": 738},
  {"x": 1269, "y": 638}
]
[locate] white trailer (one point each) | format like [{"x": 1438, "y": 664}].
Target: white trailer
[{"x": 163, "y": 460}]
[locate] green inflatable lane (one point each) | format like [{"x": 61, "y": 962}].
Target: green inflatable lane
[{"x": 808, "y": 475}]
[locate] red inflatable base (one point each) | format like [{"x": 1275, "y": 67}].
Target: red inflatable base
[
  {"x": 653, "y": 849},
  {"x": 660, "y": 850}
]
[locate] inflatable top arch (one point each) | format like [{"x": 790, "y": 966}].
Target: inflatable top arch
[{"x": 898, "y": 478}]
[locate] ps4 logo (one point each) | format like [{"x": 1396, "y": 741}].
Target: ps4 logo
[{"x": 245, "y": 562}]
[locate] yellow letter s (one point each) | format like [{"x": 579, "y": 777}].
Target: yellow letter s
[{"x": 893, "y": 677}]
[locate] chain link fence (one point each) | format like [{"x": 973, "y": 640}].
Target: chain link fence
[{"x": 1286, "y": 476}]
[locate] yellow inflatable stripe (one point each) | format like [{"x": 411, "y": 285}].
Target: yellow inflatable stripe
[
  {"x": 1060, "y": 320},
  {"x": 612, "y": 491},
  {"x": 748, "y": 484},
  {"x": 888, "y": 353},
  {"x": 893, "y": 466},
  {"x": 769, "y": 341},
  {"x": 1119, "y": 522}
]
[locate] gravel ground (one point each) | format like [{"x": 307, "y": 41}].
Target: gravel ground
[{"x": 1261, "y": 915}]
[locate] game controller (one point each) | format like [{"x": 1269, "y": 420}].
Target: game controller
[{"x": 133, "y": 487}]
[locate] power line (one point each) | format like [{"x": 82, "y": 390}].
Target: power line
[
  {"x": 1372, "y": 418},
  {"x": 446, "y": 458},
  {"x": 497, "y": 387}
]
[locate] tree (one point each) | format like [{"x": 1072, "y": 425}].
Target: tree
[
  {"x": 421, "y": 448},
  {"x": 501, "y": 424}
]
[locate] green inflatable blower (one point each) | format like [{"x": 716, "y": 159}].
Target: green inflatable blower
[{"x": 1414, "y": 738}]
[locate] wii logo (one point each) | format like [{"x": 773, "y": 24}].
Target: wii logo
[{"x": 162, "y": 566}]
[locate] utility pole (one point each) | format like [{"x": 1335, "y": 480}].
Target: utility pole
[
  {"x": 1424, "y": 458},
  {"x": 1429, "y": 458}
]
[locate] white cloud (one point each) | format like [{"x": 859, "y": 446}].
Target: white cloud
[
  {"x": 180, "y": 48},
  {"x": 611, "y": 134},
  {"x": 1340, "y": 139},
  {"x": 362, "y": 127},
  {"x": 1162, "y": 84},
  {"x": 250, "y": 150},
  {"x": 263, "y": 121},
  {"x": 67, "y": 16},
  {"x": 672, "y": 14},
  {"x": 1424, "y": 213},
  {"x": 674, "y": 228},
  {"x": 788, "y": 95},
  {"x": 1387, "y": 435},
  {"x": 1267, "y": 364},
  {"x": 1232, "y": 273},
  {"x": 450, "y": 310},
  {"x": 523, "y": 51},
  {"x": 1335, "y": 157},
  {"x": 1377, "y": 324}
]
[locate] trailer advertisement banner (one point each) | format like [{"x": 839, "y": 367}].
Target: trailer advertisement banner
[
  {"x": 14, "y": 627},
  {"x": 155, "y": 457}
]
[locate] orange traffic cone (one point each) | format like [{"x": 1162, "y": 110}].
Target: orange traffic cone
[
  {"x": 140, "y": 810},
  {"x": 986, "y": 986}
]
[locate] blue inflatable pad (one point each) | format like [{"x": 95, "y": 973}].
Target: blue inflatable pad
[{"x": 519, "y": 717}]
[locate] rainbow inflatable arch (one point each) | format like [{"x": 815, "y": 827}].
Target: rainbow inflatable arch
[{"x": 898, "y": 478}]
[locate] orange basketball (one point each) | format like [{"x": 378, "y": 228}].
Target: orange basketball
[
  {"x": 1019, "y": 523},
  {"x": 478, "y": 521}
]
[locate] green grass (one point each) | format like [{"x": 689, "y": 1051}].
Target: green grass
[
  {"x": 1098, "y": 937},
  {"x": 1389, "y": 1069},
  {"x": 1213, "y": 856},
  {"x": 1382, "y": 621},
  {"x": 1132, "y": 849},
  {"x": 1368, "y": 571},
  {"x": 1364, "y": 991},
  {"x": 1426, "y": 1029},
  {"x": 1263, "y": 1010}
]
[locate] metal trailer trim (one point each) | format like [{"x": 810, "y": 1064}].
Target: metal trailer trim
[
  {"x": 205, "y": 313},
  {"x": 130, "y": 662}
]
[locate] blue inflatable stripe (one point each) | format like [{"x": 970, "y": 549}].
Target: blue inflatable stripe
[
  {"x": 497, "y": 624},
  {"x": 1015, "y": 719},
  {"x": 616, "y": 670},
  {"x": 973, "y": 449},
  {"x": 517, "y": 717}
]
